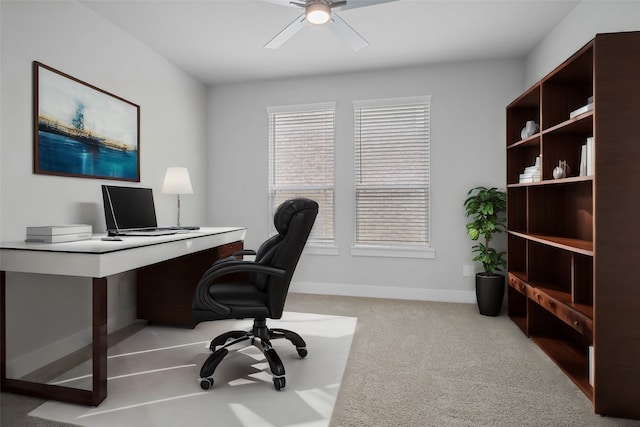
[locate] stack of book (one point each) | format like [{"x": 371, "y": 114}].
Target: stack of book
[
  {"x": 58, "y": 233},
  {"x": 532, "y": 173}
]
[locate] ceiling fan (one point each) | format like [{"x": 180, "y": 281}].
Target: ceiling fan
[{"x": 318, "y": 12}]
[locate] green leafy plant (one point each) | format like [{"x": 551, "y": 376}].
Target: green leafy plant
[{"x": 486, "y": 208}]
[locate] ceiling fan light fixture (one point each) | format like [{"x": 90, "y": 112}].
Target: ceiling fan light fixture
[{"x": 318, "y": 13}]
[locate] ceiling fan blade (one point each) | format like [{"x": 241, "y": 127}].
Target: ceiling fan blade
[
  {"x": 282, "y": 2},
  {"x": 346, "y": 33},
  {"x": 289, "y": 31},
  {"x": 352, "y": 4}
]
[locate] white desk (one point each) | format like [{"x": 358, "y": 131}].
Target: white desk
[{"x": 98, "y": 259}]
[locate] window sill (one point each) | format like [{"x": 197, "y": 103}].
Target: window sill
[{"x": 393, "y": 252}]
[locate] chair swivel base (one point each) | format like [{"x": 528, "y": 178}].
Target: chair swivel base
[{"x": 260, "y": 336}]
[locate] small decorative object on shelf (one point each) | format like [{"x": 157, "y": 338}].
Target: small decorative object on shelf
[
  {"x": 529, "y": 129},
  {"x": 562, "y": 170}
]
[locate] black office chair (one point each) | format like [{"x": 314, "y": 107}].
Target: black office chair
[{"x": 262, "y": 295}]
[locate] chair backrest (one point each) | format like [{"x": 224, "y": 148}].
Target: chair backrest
[{"x": 293, "y": 221}]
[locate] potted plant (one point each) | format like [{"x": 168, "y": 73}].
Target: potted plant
[{"x": 486, "y": 207}]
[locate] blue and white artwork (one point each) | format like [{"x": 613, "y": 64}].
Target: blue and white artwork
[{"x": 82, "y": 130}]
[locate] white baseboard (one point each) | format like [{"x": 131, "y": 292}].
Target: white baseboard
[
  {"x": 27, "y": 363},
  {"x": 440, "y": 295}
]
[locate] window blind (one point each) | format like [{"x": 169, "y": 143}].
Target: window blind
[
  {"x": 392, "y": 172},
  {"x": 301, "y": 161}
]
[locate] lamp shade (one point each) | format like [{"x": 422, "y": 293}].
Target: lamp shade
[{"x": 177, "y": 181}]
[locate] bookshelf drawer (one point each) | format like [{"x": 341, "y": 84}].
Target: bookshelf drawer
[
  {"x": 568, "y": 315},
  {"x": 517, "y": 284}
]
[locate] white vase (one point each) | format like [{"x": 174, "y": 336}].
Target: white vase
[
  {"x": 532, "y": 127},
  {"x": 529, "y": 129}
]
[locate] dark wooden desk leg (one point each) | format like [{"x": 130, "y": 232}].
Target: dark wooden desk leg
[
  {"x": 3, "y": 331},
  {"x": 100, "y": 344},
  {"x": 99, "y": 355}
]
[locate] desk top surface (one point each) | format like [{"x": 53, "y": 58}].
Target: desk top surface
[
  {"x": 96, "y": 245},
  {"x": 99, "y": 258}
]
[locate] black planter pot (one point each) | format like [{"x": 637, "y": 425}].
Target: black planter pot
[{"x": 489, "y": 293}]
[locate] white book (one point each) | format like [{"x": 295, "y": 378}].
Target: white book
[
  {"x": 583, "y": 160},
  {"x": 58, "y": 238},
  {"x": 581, "y": 110},
  {"x": 55, "y": 230},
  {"x": 591, "y": 366},
  {"x": 590, "y": 156}
]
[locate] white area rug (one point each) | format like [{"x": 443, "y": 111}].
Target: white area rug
[{"x": 153, "y": 378}]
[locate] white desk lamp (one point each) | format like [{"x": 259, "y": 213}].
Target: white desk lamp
[{"x": 177, "y": 181}]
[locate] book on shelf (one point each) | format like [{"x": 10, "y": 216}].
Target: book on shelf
[
  {"x": 529, "y": 177},
  {"x": 583, "y": 160},
  {"x": 58, "y": 233},
  {"x": 591, "y": 366},
  {"x": 590, "y": 156},
  {"x": 531, "y": 173},
  {"x": 581, "y": 110}
]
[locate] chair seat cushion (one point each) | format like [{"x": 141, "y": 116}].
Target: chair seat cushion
[{"x": 244, "y": 299}]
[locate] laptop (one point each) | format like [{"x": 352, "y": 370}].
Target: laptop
[{"x": 130, "y": 211}]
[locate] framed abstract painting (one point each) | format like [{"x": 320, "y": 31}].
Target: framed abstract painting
[{"x": 81, "y": 130}]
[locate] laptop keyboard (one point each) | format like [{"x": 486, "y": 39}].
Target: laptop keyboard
[{"x": 148, "y": 232}]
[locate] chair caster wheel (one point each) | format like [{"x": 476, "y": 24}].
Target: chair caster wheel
[
  {"x": 302, "y": 352},
  {"x": 206, "y": 383},
  {"x": 279, "y": 383}
]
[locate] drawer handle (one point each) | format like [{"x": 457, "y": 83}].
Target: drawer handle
[
  {"x": 577, "y": 323},
  {"x": 539, "y": 297},
  {"x": 552, "y": 304},
  {"x": 522, "y": 288}
]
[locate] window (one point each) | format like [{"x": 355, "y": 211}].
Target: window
[
  {"x": 301, "y": 161},
  {"x": 392, "y": 174}
]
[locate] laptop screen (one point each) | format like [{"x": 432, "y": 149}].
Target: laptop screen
[{"x": 128, "y": 208}]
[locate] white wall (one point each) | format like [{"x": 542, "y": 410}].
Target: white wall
[
  {"x": 581, "y": 25},
  {"x": 467, "y": 149},
  {"x": 71, "y": 38}
]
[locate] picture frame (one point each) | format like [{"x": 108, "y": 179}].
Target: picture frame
[{"x": 81, "y": 130}]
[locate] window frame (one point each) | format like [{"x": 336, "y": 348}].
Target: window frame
[
  {"x": 382, "y": 249},
  {"x": 320, "y": 247}
]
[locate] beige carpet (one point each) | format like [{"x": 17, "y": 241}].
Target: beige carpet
[
  {"x": 418, "y": 363},
  {"x": 153, "y": 378}
]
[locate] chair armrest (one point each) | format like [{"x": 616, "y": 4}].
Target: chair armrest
[
  {"x": 230, "y": 266},
  {"x": 202, "y": 298},
  {"x": 244, "y": 252},
  {"x": 235, "y": 256}
]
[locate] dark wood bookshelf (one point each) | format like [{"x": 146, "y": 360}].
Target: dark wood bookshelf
[{"x": 572, "y": 242}]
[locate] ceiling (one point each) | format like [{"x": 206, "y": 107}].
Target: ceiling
[{"x": 221, "y": 41}]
